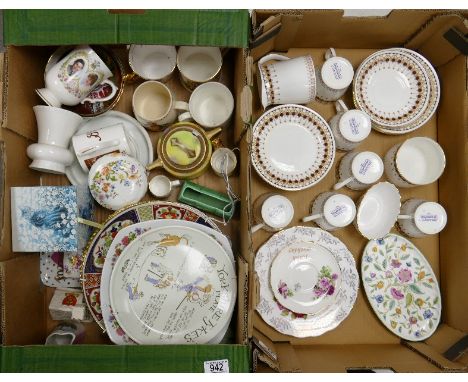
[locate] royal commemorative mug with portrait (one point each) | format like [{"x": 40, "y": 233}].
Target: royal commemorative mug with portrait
[
  {"x": 331, "y": 211},
  {"x": 76, "y": 75},
  {"x": 417, "y": 161},
  {"x": 349, "y": 127},
  {"x": 358, "y": 170},
  {"x": 334, "y": 77},
  {"x": 272, "y": 212},
  {"x": 284, "y": 80},
  {"x": 419, "y": 218}
]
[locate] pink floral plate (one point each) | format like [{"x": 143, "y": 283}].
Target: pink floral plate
[
  {"x": 297, "y": 324},
  {"x": 401, "y": 287}
]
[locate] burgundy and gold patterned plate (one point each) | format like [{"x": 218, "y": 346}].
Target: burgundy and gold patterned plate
[
  {"x": 96, "y": 250},
  {"x": 292, "y": 147}
]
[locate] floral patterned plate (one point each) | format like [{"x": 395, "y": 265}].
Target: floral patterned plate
[
  {"x": 95, "y": 254},
  {"x": 305, "y": 278},
  {"x": 305, "y": 325},
  {"x": 173, "y": 285},
  {"x": 401, "y": 287},
  {"x": 121, "y": 241}
]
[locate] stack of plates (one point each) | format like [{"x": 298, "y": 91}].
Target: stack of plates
[
  {"x": 398, "y": 88},
  {"x": 157, "y": 273},
  {"x": 308, "y": 281}
]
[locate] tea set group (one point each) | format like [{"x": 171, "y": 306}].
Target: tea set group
[
  {"x": 155, "y": 272},
  {"x": 308, "y": 278}
]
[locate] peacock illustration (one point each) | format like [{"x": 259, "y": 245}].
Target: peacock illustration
[{"x": 52, "y": 219}]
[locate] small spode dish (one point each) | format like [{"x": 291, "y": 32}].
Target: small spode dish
[
  {"x": 173, "y": 285},
  {"x": 378, "y": 210},
  {"x": 120, "y": 242},
  {"x": 305, "y": 278},
  {"x": 392, "y": 88},
  {"x": 117, "y": 180},
  {"x": 296, "y": 324},
  {"x": 95, "y": 253},
  {"x": 292, "y": 147},
  {"x": 401, "y": 287}
]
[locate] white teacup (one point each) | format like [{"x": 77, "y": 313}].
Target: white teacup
[
  {"x": 161, "y": 186},
  {"x": 331, "y": 210},
  {"x": 55, "y": 128},
  {"x": 334, "y": 77},
  {"x": 153, "y": 62},
  {"x": 211, "y": 105},
  {"x": 358, "y": 170},
  {"x": 154, "y": 105},
  {"x": 349, "y": 127},
  {"x": 417, "y": 161},
  {"x": 272, "y": 212},
  {"x": 71, "y": 79},
  {"x": 198, "y": 64},
  {"x": 288, "y": 80},
  {"x": 419, "y": 218},
  {"x": 89, "y": 147}
]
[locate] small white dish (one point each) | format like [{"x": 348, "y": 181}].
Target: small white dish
[
  {"x": 117, "y": 180},
  {"x": 378, "y": 210},
  {"x": 305, "y": 277},
  {"x": 161, "y": 186}
]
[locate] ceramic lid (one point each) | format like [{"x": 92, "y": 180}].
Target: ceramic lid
[
  {"x": 367, "y": 167},
  {"x": 117, "y": 180},
  {"x": 337, "y": 73},
  {"x": 339, "y": 210},
  {"x": 430, "y": 218},
  {"x": 355, "y": 125},
  {"x": 277, "y": 211}
]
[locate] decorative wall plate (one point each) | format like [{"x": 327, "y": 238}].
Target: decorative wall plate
[
  {"x": 138, "y": 139},
  {"x": 392, "y": 88},
  {"x": 305, "y": 325},
  {"x": 305, "y": 277},
  {"x": 96, "y": 251},
  {"x": 120, "y": 242},
  {"x": 401, "y": 287},
  {"x": 292, "y": 147},
  {"x": 173, "y": 285}
]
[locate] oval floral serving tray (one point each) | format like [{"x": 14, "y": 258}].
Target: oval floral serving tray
[
  {"x": 96, "y": 251},
  {"x": 304, "y": 325},
  {"x": 401, "y": 287},
  {"x": 173, "y": 285},
  {"x": 292, "y": 147},
  {"x": 120, "y": 242}
]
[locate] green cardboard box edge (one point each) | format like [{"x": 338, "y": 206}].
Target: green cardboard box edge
[
  {"x": 227, "y": 28},
  {"x": 118, "y": 359}
]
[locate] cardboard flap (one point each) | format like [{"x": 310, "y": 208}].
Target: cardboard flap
[
  {"x": 434, "y": 357},
  {"x": 3, "y": 88},
  {"x": 288, "y": 361},
  {"x": 438, "y": 40}
]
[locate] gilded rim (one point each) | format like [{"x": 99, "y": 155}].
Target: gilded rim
[{"x": 162, "y": 79}]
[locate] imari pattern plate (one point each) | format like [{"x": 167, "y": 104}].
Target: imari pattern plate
[{"x": 401, "y": 287}]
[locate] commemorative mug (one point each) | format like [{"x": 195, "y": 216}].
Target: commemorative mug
[
  {"x": 287, "y": 80},
  {"x": 211, "y": 105},
  {"x": 334, "y": 77},
  {"x": 198, "y": 64},
  {"x": 55, "y": 127},
  {"x": 358, "y": 170},
  {"x": 154, "y": 105},
  {"x": 153, "y": 62},
  {"x": 76, "y": 75},
  {"x": 349, "y": 127},
  {"x": 91, "y": 146},
  {"x": 272, "y": 212},
  {"x": 419, "y": 218},
  {"x": 415, "y": 162},
  {"x": 331, "y": 211}
]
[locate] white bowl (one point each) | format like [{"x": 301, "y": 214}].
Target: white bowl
[{"x": 378, "y": 210}]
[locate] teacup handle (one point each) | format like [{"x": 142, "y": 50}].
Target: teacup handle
[
  {"x": 257, "y": 227},
  {"x": 341, "y": 106},
  {"x": 272, "y": 56},
  {"x": 185, "y": 117},
  {"x": 405, "y": 217},
  {"x": 175, "y": 183},
  {"x": 157, "y": 163},
  {"x": 181, "y": 105},
  {"x": 330, "y": 53},
  {"x": 312, "y": 217},
  {"x": 109, "y": 97},
  {"x": 343, "y": 183}
]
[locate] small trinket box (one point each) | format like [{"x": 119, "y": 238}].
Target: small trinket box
[{"x": 68, "y": 304}]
